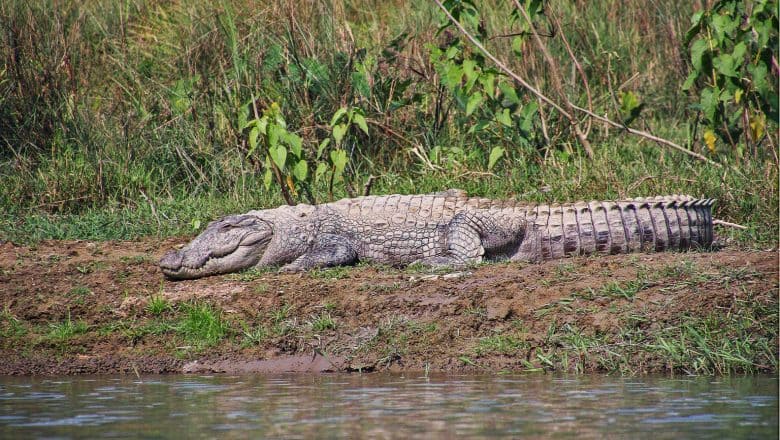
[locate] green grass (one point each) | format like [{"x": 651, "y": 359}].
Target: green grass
[
  {"x": 135, "y": 330},
  {"x": 65, "y": 330},
  {"x": 158, "y": 305},
  {"x": 331, "y": 273},
  {"x": 281, "y": 324},
  {"x": 500, "y": 344},
  {"x": 135, "y": 259},
  {"x": 10, "y": 326},
  {"x": 137, "y": 133},
  {"x": 322, "y": 322},
  {"x": 80, "y": 291},
  {"x": 203, "y": 325},
  {"x": 253, "y": 335},
  {"x": 716, "y": 345},
  {"x": 627, "y": 290},
  {"x": 741, "y": 340},
  {"x": 250, "y": 274}
]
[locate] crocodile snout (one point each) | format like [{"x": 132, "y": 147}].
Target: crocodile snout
[{"x": 171, "y": 261}]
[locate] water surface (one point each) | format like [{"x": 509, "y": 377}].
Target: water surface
[{"x": 388, "y": 406}]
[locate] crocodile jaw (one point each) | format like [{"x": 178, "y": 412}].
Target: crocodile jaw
[{"x": 228, "y": 245}]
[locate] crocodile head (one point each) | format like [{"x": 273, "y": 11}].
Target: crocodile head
[{"x": 226, "y": 245}]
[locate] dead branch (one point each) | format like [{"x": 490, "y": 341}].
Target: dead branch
[
  {"x": 578, "y": 66},
  {"x": 730, "y": 225},
  {"x": 555, "y": 76}
]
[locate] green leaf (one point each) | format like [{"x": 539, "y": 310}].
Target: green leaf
[
  {"x": 699, "y": 50},
  {"x": 758, "y": 74},
  {"x": 273, "y": 135},
  {"x": 323, "y": 145},
  {"x": 528, "y": 113},
  {"x": 725, "y": 96},
  {"x": 488, "y": 81},
  {"x": 479, "y": 126},
  {"x": 724, "y": 25},
  {"x": 278, "y": 155},
  {"x": 695, "y": 26},
  {"x": 337, "y": 116},
  {"x": 509, "y": 95},
  {"x": 301, "y": 170},
  {"x": 474, "y": 101},
  {"x": 268, "y": 178},
  {"x": 253, "y": 134},
  {"x": 630, "y": 107},
  {"x": 322, "y": 168},
  {"x": 709, "y": 103},
  {"x": 452, "y": 52},
  {"x": 360, "y": 120},
  {"x": 738, "y": 54},
  {"x": 262, "y": 124},
  {"x": 628, "y": 102},
  {"x": 295, "y": 143},
  {"x": 360, "y": 84},
  {"x": 504, "y": 117},
  {"x": 725, "y": 65},
  {"x": 517, "y": 46},
  {"x": 339, "y": 160},
  {"x": 495, "y": 154},
  {"x": 338, "y": 132},
  {"x": 470, "y": 72},
  {"x": 452, "y": 76},
  {"x": 690, "y": 80},
  {"x": 243, "y": 117}
]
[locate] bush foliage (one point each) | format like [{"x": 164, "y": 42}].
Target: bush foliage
[{"x": 120, "y": 119}]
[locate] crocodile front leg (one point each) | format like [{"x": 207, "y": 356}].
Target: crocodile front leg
[{"x": 329, "y": 250}]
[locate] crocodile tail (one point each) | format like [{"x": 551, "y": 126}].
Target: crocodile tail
[{"x": 634, "y": 225}]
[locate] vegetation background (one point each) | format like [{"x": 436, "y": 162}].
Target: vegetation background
[{"x": 150, "y": 117}]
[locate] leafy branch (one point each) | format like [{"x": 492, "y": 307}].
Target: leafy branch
[{"x": 568, "y": 114}]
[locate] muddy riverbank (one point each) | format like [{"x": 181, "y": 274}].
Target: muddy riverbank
[{"x": 75, "y": 307}]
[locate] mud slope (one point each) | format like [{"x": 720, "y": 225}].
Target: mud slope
[{"x": 103, "y": 307}]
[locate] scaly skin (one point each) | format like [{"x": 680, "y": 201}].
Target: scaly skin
[{"x": 446, "y": 228}]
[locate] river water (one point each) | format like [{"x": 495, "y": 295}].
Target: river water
[{"x": 389, "y": 406}]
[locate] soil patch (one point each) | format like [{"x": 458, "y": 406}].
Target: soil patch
[{"x": 76, "y": 307}]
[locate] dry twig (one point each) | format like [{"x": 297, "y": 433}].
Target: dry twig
[
  {"x": 730, "y": 225},
  {"x": 555, "y": 76}
]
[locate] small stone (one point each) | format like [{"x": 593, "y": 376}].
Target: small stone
[{"x": 497, "y": 309}]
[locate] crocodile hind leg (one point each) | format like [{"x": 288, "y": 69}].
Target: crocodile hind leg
[
  {"x": 463, "y": 243},
  {"x": 329, "y": 250},
  {"x": 530, "y": 249}
]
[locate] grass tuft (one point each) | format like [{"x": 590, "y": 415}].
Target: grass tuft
[
  {"x": 67, "y": 329},
  {"x": 322, "y": 322},
  {"x": 158, "y": 305},
  {"x": 202, "y": 325}
]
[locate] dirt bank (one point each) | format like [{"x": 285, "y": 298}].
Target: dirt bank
[{"x": 103, "y": 307}]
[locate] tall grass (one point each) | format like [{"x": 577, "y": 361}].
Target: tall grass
[{"x": 119, "y": 119}]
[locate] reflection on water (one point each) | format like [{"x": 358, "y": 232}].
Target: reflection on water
[{"x": 385, "y": 406}]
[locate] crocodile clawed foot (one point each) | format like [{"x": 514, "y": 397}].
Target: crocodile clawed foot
[
  {"x": 441, "y": 262},
  {"x": 290, "y": 268}
]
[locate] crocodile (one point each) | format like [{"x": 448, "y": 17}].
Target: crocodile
[{"x": 441, "y": 229}]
